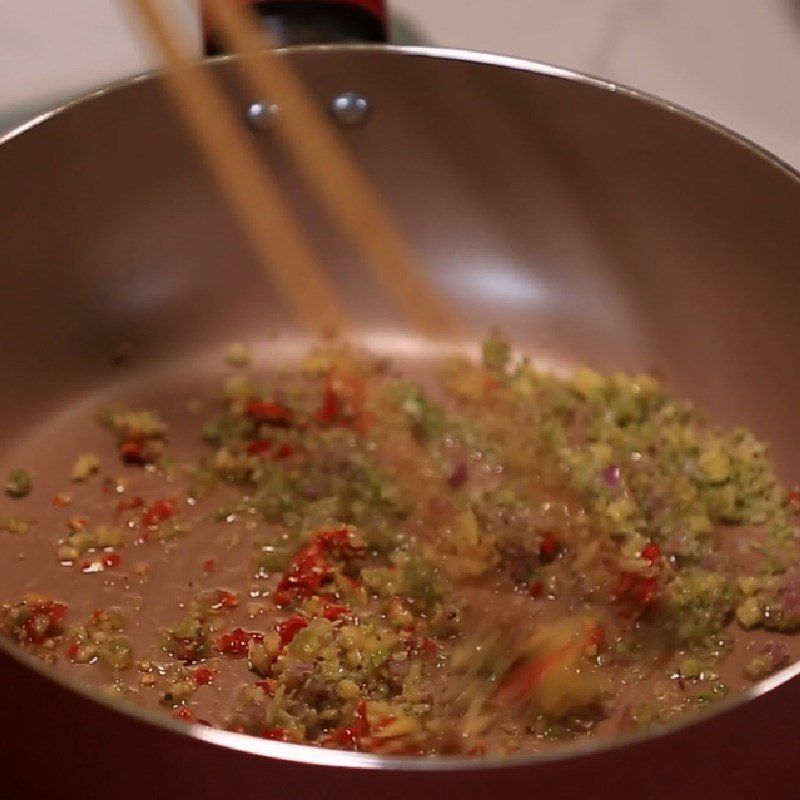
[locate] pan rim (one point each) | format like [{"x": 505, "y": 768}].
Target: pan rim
[
  {"x": 442, "y": 54},
  {"x": 320, "y": 757}
]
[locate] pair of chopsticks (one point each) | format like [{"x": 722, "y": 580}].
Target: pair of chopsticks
[{"x": 319, "y": 154}]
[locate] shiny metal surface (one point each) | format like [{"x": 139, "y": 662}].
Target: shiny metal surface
[
  {"x": 594, "y": 225},
  {"x": 350, "y": 109},
  {"x": 261, "y": 116}
]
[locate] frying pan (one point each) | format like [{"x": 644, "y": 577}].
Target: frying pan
[{"x": 598, "y": 226}]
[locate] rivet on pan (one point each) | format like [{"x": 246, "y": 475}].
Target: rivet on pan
[
  {"x": 261, "y": 116},
  {"x": 350, "y": 109}
]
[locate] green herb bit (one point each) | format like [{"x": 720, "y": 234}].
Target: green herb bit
[
  {"x": 14, "y": 525},
  {"x": 496, "y": 352},
  {"x": 19, "y": 483},
  {"x": 238, "y": 355},
  {"x": 86, "y": 464}
]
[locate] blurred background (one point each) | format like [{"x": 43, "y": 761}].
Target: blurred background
[{"x": 736, "y": 61}]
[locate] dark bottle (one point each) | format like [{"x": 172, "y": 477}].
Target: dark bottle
[{"x": 297, "y": 22}]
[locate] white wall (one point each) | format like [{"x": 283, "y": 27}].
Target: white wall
[
  {"x": 52, "y": 49},
  {"x": 737, "y": 61}
]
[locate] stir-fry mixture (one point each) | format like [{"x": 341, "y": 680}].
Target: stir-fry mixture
[{"x": 498, "y": 561}]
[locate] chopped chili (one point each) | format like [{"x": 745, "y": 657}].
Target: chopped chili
[
  {"x": 203, "y": 676},
  {"x": 225, "y": 599},
  {"x": 289, "y": 628},
  {"x": 335, "y": 612},
  {"x": 651, "y": 552},
  {"x": 159, "y": 511},
  {"x": 271, "y": 413},
  {"x": 259, "y": 447},
  {"x": 284, "y": 451},
  {"x": 237, "y": 642},
  {"x": 132, "y": 453},
  {"x": 62, "y": 499},
  {"x": 112, "y": 560},
  {"x": 548, "y": 547},
  {"x": 276, "y": 734}
]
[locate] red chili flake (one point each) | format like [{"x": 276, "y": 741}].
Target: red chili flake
[
  {"x": 271, "y": 413},
  {"x": 203, "y": 676},
  {"x": 184, "y": 714},
  {"x": 339, "y": 543},
  {"x": 132, "y": 453},
  {"x": 54, "y": 612},
  {"x": 651, "y": 552},
  {"x": 331, "y": 407},
  {"x": 284, "y": 451},
  {"x": 269, "y": 686},
  {"x": 62, "y": 499},
  {"x": 282, "y": 597},
  {"x": 98, "y": 615},
  {"x": 548, "y": 547},
  {"x": 310, "y": 569},
  {"x": 645, "y": 593},
  {"x": 383, "y": 723},
  {"x": 339, "y": 537},
  {"x": 112, "y": 560},
  {"x": 342, "y": 402},
  {"x": 226, "y": 599},
  {"x": 72, "y": 651},
  {"x": 304, "y": 576},
  {"x": 622, "y": 584},
  {"x": 259, "y": 447},
  {"x": 133, "y": 504},
  {"x": 209, "y": 565},
  {"x": 288, "y": 629},
  {"x": 334, "y": 612},
  {"x": 276, "y": 734},
  {"x": 350, "y": 737},
  {"x": 792, "y": 500},
  {"x": 158, "y": 511},
  {"x": 77, "y": 524},
  {"x": 347, "y": 737},
  {"x": 537, "y": 589},
  {"x": 428, "y": 646},
  {"x": 237, "y": 641}
]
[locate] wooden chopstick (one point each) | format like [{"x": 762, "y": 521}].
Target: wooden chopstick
[
  {"x": 252, "y": 192},
  {"x": 330, "y": 170}
]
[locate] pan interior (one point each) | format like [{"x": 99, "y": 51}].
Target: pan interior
[{"x": 595, "y": 227}]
